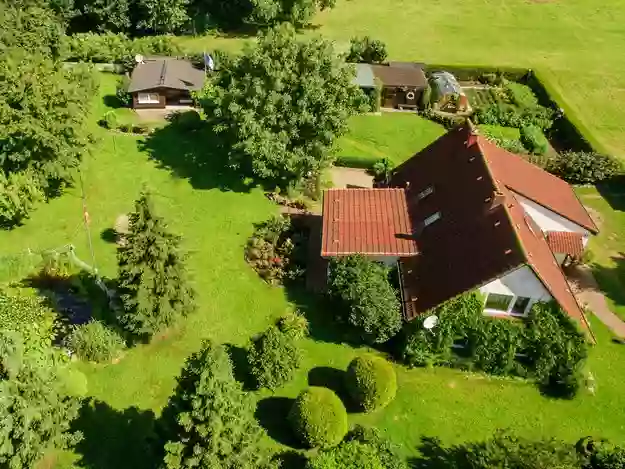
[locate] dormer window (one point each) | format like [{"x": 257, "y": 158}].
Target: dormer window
[
  {"x": 432, "y": 218},
  {"x": 425, "y": 192}
]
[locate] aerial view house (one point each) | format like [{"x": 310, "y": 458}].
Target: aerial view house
[
  {"x": 464, "y": 214},
  {"x": 160, "y": 82},
  {"x": 402, "y": 83}
]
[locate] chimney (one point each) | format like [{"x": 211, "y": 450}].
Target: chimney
[{"x": 494, "y": 201}]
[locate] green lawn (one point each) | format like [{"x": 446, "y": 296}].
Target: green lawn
[
  {"x": 215, "y": 213},
  {"x": 578, "y": 43},
  {"x": 393, "y": 135}
]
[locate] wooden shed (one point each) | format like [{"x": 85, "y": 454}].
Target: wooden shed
[
  {"x": 402, "y": 83},
  {"x": 157, "y": 83}
]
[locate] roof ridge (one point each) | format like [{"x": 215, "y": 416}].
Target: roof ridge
[{"x": 497, "y": 186}]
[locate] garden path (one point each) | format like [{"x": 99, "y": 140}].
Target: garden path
[{"x": 587, "y": 292}]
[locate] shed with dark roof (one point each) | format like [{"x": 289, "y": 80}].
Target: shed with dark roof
[
  {"x": 402, "y": 83},
  {"x": 158, "y": 82}
]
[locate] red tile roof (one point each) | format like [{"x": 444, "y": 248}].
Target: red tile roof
[
  {"x": 535, "y": 183},
  {"x": 541, "y": 259},
  {"x": 483, "y": 232},
  {"x": 367, "y": 221},
  {"x": 566, "y": 242}
]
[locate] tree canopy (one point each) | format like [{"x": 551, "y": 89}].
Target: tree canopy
[
  {"x": 162, "y": 16},
  {"x": 35, "y": 411},
  {"x": 152, "y": 275},
  {"x": 363, "y": 289},
  {"x": 214, "y": 418},
  {"x": 280, "y": 105}
]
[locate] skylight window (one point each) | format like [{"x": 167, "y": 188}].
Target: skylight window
[
  {"x": 431, "y": 219},
  {"x": 425, "y": 192}
]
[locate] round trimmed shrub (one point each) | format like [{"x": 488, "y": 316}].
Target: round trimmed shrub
[
  {"x": 371, "y": 382},
  {"x": 319, "y": 418},
  {"x": 96, "y": 342}
]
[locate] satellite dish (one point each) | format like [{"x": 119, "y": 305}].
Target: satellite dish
[
  {"x": 430, "y": 322},
  {"x": 139, "y": 58}
]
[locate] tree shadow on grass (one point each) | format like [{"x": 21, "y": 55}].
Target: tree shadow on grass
[
  {"x": 433, "y": 455},
  {"x": 109, "y": 235},
  {"x": 613, "y": 192},
  {"x": 191, "y": 150},
  {"x": 333, "y": 379},
  {"x": 111, "y": 100},
  {"x": 291, "y": 460},
  {"x": 240, "y": 365},
  {"x": 116, "y": 438},
  {"x": 321, "y": 312},
  {"x": 272, "y": 413}
]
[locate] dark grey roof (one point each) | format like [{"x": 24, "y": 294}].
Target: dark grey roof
[
  {"x": 364, "y": 76},
  {"x": 400, "y": 74},
  {"x": 446, "y": 84},
  {"x": 166, "y": 73}
]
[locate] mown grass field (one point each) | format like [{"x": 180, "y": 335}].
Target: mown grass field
[{"x": 215, "y": 213}]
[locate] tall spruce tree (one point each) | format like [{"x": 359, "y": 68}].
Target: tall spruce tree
[
  {"x": 35, "y": 412},
  {"x": 214, "y": 418},
  {"x": 152, "y": 274}
]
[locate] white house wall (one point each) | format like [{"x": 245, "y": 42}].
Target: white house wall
[
  {"x": 519, "y": 282},
  {"x": 548, "y": 220}
]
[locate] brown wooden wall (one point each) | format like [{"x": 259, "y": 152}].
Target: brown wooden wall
[{"x": 161, "y": 100}]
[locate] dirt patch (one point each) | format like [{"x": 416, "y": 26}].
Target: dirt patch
[
  {"x": 351, "y": 177},
  {"x": 595, "y": 215}
]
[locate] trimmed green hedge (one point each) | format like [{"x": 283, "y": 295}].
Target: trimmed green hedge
[
  {"x": 371, "y": 382},
  {"x": 476, "y": 72},
  {"x": 319, "y": 418},
  {"x": 568, "y": 128}
]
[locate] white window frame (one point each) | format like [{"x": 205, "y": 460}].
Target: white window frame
[
  {"x": 508, "y": 311},
  {"x": 425, "y": 192},
  {"x": 432, "y": 218},
  {"x": 148, "y": 98}
]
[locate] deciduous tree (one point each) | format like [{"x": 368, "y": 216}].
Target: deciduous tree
[
  {"x": 101, "y": 15},
  {"x": 362, "y": 287},
  {"x": 162, "y": 16},
  {"x": 152, "y": 275},
  {"x": 280, "y": 106},
  {"x": 43, "y": 111},
  {"x": 214, "y": 418}
]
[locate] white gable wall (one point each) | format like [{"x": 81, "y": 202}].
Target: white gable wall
[
  {"x": 548, "y": 220},
  {"x": 520, "y": 282}
]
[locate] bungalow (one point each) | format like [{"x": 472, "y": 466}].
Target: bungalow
[
  {"x": 464, "y": 214},
  {"x": 160, "y": 82},
  {"x": 402, "y": 83}
]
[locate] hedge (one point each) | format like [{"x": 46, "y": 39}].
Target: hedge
[
  {"x": 319, "y": 418},
  {"x": 546, "y": 346},
  {"x": 475, "y": 72},
  {"x": 371, "y": 382},
  {"x": 568, "y": 128}
]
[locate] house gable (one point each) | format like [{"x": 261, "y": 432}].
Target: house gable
[{"x": 548, "y": 220}]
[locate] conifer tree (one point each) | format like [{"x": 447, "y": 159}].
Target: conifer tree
[
  {"x": 152, "y": 274},
  {"x": 35, "y": 412},
  {"x": 214, "y": 418}
]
